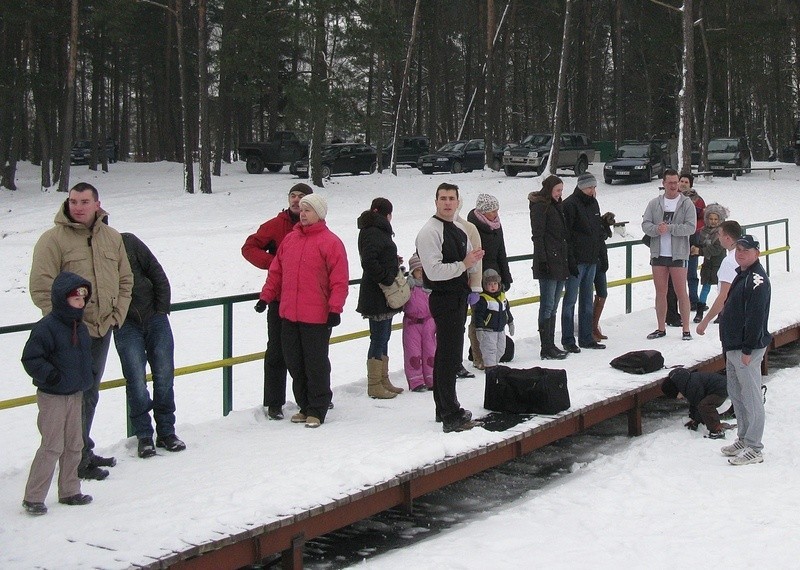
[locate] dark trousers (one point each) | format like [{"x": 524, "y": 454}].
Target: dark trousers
[
  {"x": 274, "y": 363},
  {"x": 449, "y": 311},
  {"x": 305, "y": 349},
  {"x": 673, "y": 315},
  {"x": 91, "y": 396},
  {"x": 708, "y": 411}
]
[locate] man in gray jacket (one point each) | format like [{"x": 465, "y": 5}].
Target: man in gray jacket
[{"x": 668, "y": 221}]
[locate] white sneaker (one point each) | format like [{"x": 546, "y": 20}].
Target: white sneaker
[
  {"x": 746, "y": 457},
  {"x": 733, "y": 449}
]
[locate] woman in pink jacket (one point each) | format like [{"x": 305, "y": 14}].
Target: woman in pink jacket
[
  {"x": 309, "y": 276},
  {"x": 419, "y": 332}
]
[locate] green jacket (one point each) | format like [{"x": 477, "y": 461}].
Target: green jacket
[{"x": 96, "y": 254}]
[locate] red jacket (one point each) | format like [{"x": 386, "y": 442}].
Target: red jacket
[
  {"x": 309, "y": 275},
  {"x": 259, "y": 249}
]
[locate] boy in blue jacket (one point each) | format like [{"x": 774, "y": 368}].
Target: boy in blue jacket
[
  {"x": 490, "y": 314},
  {"x": 59, "y": 359}
]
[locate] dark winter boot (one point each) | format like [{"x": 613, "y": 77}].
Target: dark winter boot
[
  {"x": 547, "y": 335},
  {"x": 701, "y": 309}
]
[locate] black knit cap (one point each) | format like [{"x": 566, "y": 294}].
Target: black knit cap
[{"x": 301, "y": 187}]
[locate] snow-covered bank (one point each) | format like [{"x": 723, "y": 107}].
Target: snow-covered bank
[{"x": 242, "y": 471}]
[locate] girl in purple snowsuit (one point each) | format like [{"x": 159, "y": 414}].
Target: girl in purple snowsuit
[{"x": 419, "y": 332}]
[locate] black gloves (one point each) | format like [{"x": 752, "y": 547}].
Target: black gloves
[
  {"x": 609, "y": 219},
  {"x": 53, "y": 378},
  {"x": 692, "y": 425},
  {"x": 334, "y": 319},
  {"x": 544, "y": 269},
  {"x": 260, "y": 307}
]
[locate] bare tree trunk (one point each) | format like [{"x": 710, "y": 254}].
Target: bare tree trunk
[
  {"x": 404, "y": 88},
  {"x": 562, "y": 89},
  {"x": 204, "y": 126},
  {"x": 488, "y": 83},
  {"x": 319, "y": 94},
  {"x": 69, "y": 109},
  {"x": 188, "y": 163},
  {"x": 687, "y": 89},
  {"x": 706, "y": 131},
  {"x": 616, "y": 39}
]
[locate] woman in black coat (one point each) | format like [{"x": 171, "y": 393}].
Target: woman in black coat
[
  {"x": 550, "y": 258},
  {"x": 380, "y": 265}
]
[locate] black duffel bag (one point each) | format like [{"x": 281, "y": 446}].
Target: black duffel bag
[
  {"x": 639, "y": 361},
  {"x": 526, "y": 390}
]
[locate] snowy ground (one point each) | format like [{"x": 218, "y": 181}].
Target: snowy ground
[{"x": 668, "y": 499}]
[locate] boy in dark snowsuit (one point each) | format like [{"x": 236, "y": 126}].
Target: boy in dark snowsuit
[
  {"x": 705, "y": 392},
  {"x": 58, "y": 356},
  {"x": 490, "y": 315}
]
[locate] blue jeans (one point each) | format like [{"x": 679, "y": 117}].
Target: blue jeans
[
  {"x": 137, "y": 345},
  {"x": 549, "y": 295},
  {"x": 579, "y": 289},
  {"x": 379, "y": 333}
]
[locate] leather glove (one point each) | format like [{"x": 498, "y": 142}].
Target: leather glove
[
  {"x": 511, "y": 329},
  {"x": 334, "y": 319},
  {"x": 573, "y": 268},
  {"x": 609, "y": 218},
  {"x": 261, "y": 306},
  {"x": 691, "y": 424},
  {"x": 472, "y": 298}
]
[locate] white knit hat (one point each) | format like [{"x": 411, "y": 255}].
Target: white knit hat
[
  {"x": 486, "y": 203},
  {"x": 317, "y": 203}
]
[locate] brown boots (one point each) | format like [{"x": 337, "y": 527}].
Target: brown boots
[
  {"x": 599, "y": 303},
  {"x": 375, "y": 385},
  {"x": 385, "y": 377}
]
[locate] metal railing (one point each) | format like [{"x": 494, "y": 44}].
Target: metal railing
[{"x": 228, "y": 361}]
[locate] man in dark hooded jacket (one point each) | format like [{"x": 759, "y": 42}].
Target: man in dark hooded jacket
[
  {"x": 146, "y": 336},
  {"x": 705, "y": 392}
]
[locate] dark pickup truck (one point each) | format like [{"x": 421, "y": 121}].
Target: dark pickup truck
[
  {"x": 575, "y": 152},
  {"x": 283, "y": 147}
]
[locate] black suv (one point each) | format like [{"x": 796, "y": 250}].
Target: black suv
[
  {"x": 729, "y": 155},
  {"x": 82, "y": 150},
  {"x": 455, "y": 157},
  {"x": 409, "y": 149},
  {"x": 354, "y": 158},
  {"x": 635, "y": 160}
]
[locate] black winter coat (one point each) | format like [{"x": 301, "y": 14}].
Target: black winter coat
[
  {"x": 58, "y": 354},
  {"x": 697, "y": 385},
  {"x": 549, "y": 236},
  {"x": 151, "y": 290},
  {"x": 586, "y": 233},
  {"x": 379, "y": 263},
  {"x": 494, "y": 249}
]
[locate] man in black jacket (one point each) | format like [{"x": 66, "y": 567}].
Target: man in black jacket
[
  {"x": 705, "y": 392},
  {"x": 745, "y": 338},
  {"x": 585, "y": 239},
  {"x": 146, "y": 337}
]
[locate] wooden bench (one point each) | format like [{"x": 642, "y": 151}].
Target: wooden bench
[{"x": 771, "y": 170}]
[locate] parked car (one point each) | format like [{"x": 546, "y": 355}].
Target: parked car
[
  {"x": 409, "y": 149},
  {"x": 283, "y": 147},
  {"x": 574, "y": 152},
  {"x": 455, "y": 157},
  {"x": 354, "y": 158},
  {"x": 729, "y": 154},
  {"x": 82, "y": 150},
  {"x": 635, "y": 161}
]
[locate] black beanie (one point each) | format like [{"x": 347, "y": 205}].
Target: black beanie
[
  {"x": 669, "y": 388},
  {"x": 301, "y": 187}
]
